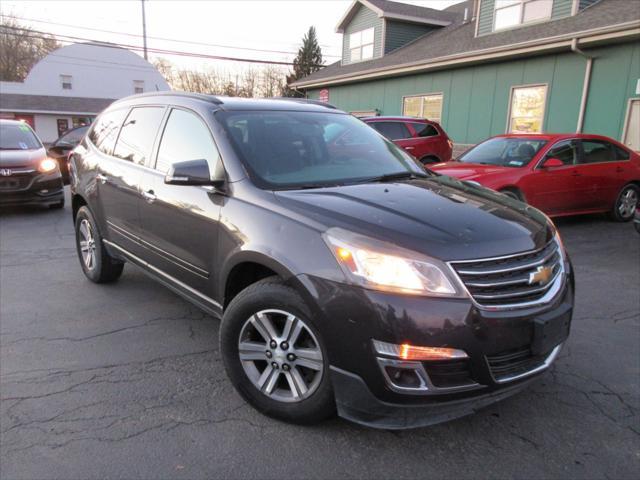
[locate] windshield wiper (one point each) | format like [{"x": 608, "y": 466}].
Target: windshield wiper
[{"x": 390, "y": 177}]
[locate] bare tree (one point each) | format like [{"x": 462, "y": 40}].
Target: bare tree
[
  {"x": 272, "y": 81},
  {"x": 21, "y": 48}
]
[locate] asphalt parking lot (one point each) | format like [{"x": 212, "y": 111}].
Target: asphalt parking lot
[{"x": 126, "y": 381}]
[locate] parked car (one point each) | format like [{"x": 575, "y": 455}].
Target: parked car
[
  {"x": 61, "y": 148},
  {"x": 27, "y": 175},
  {"x": 424, "y": 139},
  {"x": 349, "y": 279},
  {"x": 564, "y": 174}
]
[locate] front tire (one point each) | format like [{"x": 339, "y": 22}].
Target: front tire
[
  {"x": 625, "y": 206},
  {"x": 97, "y": 264},
  {"x": 274, "y": 355},
  {"x": 514, "y": 194}
]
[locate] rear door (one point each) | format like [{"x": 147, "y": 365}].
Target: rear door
[
  {"x": 602, "y": 166},
  {"x": 120, "y": 173},
  {"x": 553, "y": 190},
  {"x": 180, "y": 222},
  {"x": 429, "y": 142}
]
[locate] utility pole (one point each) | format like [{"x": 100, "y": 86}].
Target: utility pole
[{"x": 144, "y": 30}]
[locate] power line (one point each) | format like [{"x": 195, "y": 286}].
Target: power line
[
  {"x": 73, "y": 39},
  {"x": 164, "y": 39}
]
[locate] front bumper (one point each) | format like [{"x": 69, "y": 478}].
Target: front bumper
[
  {"x": 35, "y": 189},
  {"x": 350, "y": 318}
]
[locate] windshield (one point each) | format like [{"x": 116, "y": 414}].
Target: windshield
[
  {"x": 504, "y": 151},
  {"x": 73, "y": 137},
  {"x": 18, "y": 137},
  {"x": 283, "y": 150}
]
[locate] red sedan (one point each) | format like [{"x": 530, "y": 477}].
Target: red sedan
[
  {"x": 564, "y": 174},
  {"x": 425, "y": 139}
]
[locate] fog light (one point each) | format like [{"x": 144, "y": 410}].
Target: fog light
[
  {"x": 412, "y": 352},
  {"x": 44, "y": 190},
  {"x": 403, "y": 377}
]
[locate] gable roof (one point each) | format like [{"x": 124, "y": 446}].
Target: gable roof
[
  {"x": 457, "y": 44},
  {"x": 397, "y": 11},
  {"x": 14, "y": 102}
]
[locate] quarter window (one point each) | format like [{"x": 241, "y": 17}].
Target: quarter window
[
  {"x": 527, "y": 109},
  {"x": 392, "y": 130},
  {"x": 105, "y": 131},
  {"x": 186, "y": 137},
  {"x": 510, "y": 13},
  {"x": 361, "y": 45},
  {"x": 138, "y": 133},
  {"x": 423, "y": 106}
]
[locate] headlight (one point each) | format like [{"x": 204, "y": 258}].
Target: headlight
[
  {"x": 375, "y": 264},
  {"x": 47, "y": 165}
]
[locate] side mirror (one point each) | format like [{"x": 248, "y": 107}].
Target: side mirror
[
  {"x": 192, "y": 172},
  {"x": 552, "y": 162}
]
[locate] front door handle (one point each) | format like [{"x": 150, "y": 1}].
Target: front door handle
[
  {"x": 576, "y": 174},
  {"x": 149, "y": 196},
  {"x": 102, "y": 178}
]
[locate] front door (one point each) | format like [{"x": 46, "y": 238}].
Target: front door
[
  {"x": 180, "y": 223},
  {"x": 553, "y": 189}
]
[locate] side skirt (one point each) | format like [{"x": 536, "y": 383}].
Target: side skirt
[{"x": 200, "y": 300}]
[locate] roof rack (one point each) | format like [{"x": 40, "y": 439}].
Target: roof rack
[
  {"x": 305, "y": 100},
  {"x": 172, "y": 93}
]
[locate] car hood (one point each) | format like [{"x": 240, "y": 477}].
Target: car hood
[
  {"x": 468, "y": 171},
  {"x": 21, "y": 158},
  {"x": 440, "y": 216}
]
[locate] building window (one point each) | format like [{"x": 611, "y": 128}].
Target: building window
[
  {"x": 510, "y": 13},
  {"x": 361, "y": 45},
  {"x": 66, "y": 81},
  {"x": 138, "y": 86},
  {"x": 423, "y": 106},
  {"x": 526, "y": 114}
]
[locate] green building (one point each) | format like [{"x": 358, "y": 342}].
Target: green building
[{"x": 486, "y": 67}]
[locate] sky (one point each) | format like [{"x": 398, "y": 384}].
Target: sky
[{"x": 250, "y": 26}]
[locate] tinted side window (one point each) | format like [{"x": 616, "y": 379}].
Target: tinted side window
[
  {"x": 565, "y": 151},
  {"x": 104, "y": 133},
  {"x": 392, "y": 130},
  {"x": 425, "y": 129},
  {"x": 186, "y": 137},
  {"x": 597, "y": 151},
  {"x": 135, "y": 141}
]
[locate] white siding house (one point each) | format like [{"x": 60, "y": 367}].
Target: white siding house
[{"x": 71, "y": 85}]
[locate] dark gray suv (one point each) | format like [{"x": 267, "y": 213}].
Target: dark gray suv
[{"x": 346, "y": 276}]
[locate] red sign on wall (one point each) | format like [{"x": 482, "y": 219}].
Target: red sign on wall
[{"x": 323, "y": 96}]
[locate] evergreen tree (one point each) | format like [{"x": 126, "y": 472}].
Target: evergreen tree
[{"x": 308, "y": 60}]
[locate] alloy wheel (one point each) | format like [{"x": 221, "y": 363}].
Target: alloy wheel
[
  {"x": 627, "y": 203},
  {"x": 87, "y": 244},
  {"x": 281, "y": 355}
]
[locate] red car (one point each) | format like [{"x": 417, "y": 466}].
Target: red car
[
  {"x": 564, "y": 174},
  {"x": 425, "y": 140}
]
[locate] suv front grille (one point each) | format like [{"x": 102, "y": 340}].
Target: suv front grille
[
  {"x": 512, "y": 281},
  {"x": 512, "y": 363},
  {"x": 449, "y": 373}
]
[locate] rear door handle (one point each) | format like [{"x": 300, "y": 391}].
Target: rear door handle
[
  {"x": 149, "y": 196},
  {"x": 102, "y": 178},
  {"x": 576, "y": 174},
  {"x": 619, "y": 169}
]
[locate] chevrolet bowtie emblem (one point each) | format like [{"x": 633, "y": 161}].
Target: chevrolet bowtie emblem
[
  {"x": 542, "y": 275},
  {"x": 5, "y": 172}
]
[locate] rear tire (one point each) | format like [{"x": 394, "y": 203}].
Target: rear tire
[
  {"x": 97, "y": 264},
  {"x": 626, "y": 202},
  {"x": 290, "y": 382}
]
